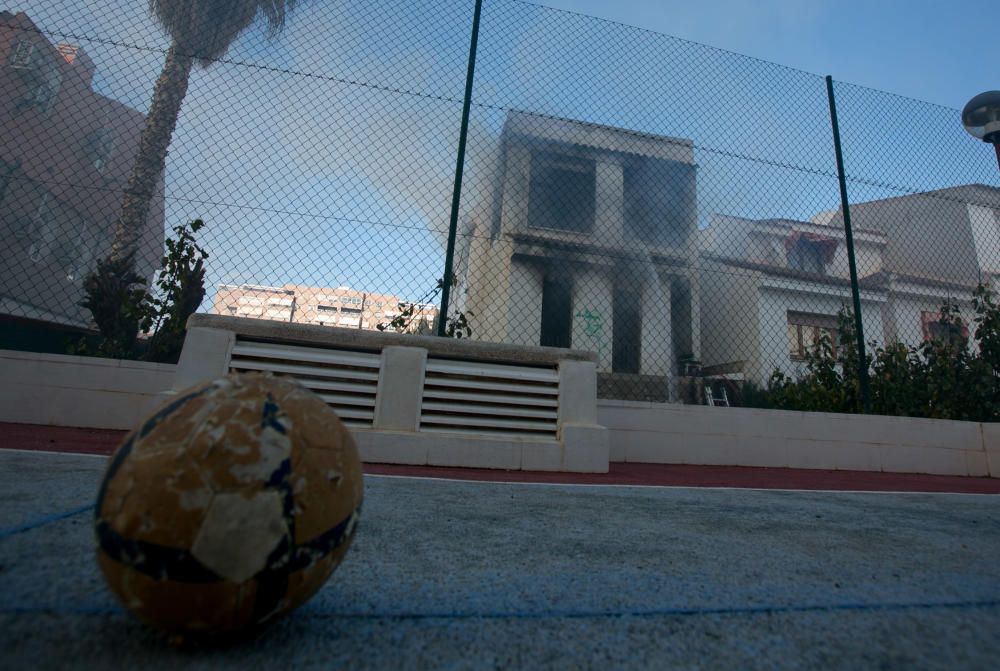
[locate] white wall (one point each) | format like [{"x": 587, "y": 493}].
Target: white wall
[
  {"x": 928, "y": 235},
  {"x": 78, "y": 391},
  {"x": 692, "y": 434},
  {"x": 104, "y": 393},
  {"x": 777, "y": 301},
  {"x": 729, "y": 313},
  {"x": 867, "y": 256},
  {"x": 985, "y": 223},
  {"x": 764, "y": 242},
  {"x": 903, "y": 315}
]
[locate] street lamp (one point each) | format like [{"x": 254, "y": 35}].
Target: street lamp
[{"x": 981, "y": 118}]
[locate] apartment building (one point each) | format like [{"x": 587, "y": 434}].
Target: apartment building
[
  {"x": 342, "y": 307},
  {"x": 64, "y": 161}
]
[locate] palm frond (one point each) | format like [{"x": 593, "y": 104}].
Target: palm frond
[{"x": 207, "y": 28}]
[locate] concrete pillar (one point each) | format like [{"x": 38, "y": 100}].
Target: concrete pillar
[
  {"x": 577, "y": 392},
  {"x": 592, "y": 315},
  {"x": 204, "y": 357},
  {"x": 524, "y": 304},
  {"x": 656, "y": 345},
  {"x": 517, "y": 176},
  {"x": 586, "y": 446},
  {"x": 695, "y": 286},
  {"x": 609, "y": 201},
  {"x": 400, "y": 389}
]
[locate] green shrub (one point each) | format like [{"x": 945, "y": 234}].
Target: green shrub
[
  {"x": 181, "y": 288},
  {"x": 121, "y": 305},
  {"x": 115, "y": 294},
  {"x": 941, "y": 378}
]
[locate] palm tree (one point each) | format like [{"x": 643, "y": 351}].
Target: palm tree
[{"x": 202, "y": 31}]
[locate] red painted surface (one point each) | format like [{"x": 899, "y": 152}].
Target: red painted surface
[
  {"x": 101, "y": 441},
  {"x": 59, "y": 438},
  {"x": 678, "y": 475}
]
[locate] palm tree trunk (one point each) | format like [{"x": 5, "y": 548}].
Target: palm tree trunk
[{"x": 151, "y": 158}]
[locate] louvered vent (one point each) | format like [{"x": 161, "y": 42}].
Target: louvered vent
[
  {"x": 492, "y": 399},
  {"x": 345, "y": 380}
]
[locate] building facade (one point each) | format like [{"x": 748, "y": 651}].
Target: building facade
[
  {"x": 940, "y": 245},
  {"x": 325, "y": 306},
  {"x": 770, "y": 289},
  {"x": 64, "y": 162},
  {"x": 589, "y": 243}
]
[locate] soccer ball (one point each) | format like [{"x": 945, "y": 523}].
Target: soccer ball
[{"x": 228, "y": 507}]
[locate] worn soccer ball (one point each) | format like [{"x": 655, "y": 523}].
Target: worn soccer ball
[{"x": 228, "y": 507}]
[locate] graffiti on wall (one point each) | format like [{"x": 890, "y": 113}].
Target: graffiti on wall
[{"x": 593, "y": 328}]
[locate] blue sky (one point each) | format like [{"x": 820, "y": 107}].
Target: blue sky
[
  {"x": 326, "y": 156},
  {"x": 927, "y": 49}
]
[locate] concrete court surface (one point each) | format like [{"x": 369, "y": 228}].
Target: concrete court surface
[{"x": 456, "y": 575}]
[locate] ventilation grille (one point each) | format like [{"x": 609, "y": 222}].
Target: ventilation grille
[
  {"x": 493, "y": 399},
  {"x": 345, "y": 380}
]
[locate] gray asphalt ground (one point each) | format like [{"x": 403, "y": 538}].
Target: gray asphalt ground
[{"x": 458, "y": 575}]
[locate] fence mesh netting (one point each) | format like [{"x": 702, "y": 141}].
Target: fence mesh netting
[{"x": 673, "y": 207}]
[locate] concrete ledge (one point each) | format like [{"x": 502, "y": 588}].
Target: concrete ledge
[
  {"x": 91, "y": 392},
  {"x": 691, "y": 434},
  {"x": 374, "y": 341},
  {"x": 430, "y": 449}
]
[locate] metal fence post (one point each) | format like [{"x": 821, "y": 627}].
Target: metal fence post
[
  {"x": 855, "y": 292},
  {"x": 449, "y": 257}
]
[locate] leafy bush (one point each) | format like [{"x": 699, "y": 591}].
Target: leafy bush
[
  {"x": 121, "y": 305},
  {"x": 181, "y": 288},
  {"x": 941, "y": 378},
  {"x": 114, "y": 293}
]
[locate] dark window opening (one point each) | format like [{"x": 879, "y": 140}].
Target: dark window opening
[
  {"x": 932, "y": 328},
  {"x": 808, "y": 258},
  {"x": 557, "y": 312},
  {"x": 561, "y": 193},
  {"x": 659, "y": 200},
  {"x": 626, "y": 329},
  {"x": 806, "y": 331}
]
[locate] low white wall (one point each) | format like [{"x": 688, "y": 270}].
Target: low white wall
[
  {"x": 691, "y": 434},
  {"x": 111, "y": 394},
  {"x": 78, "y": 391}
]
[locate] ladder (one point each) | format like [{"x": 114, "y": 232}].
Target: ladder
[{"x": 712, "y": 399}]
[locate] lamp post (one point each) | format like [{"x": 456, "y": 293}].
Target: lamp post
[{"x": 981, "y": 118}]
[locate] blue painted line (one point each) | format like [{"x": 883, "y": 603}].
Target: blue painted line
[
  {"x": 659, "y": 612},
  {"x": 42, "y": 521},
  {"x": 42, "y": 610},
  {"x": 564, "y": 614}
]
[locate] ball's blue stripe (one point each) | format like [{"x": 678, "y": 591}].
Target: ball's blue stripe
[{"x": 166, "y": 563}]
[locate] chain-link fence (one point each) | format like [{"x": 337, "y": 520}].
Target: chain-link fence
[{"x": 673, "y": 207}]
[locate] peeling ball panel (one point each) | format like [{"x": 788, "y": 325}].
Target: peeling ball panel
[
  {"x": 249, "y": 484},
  {"x": 162, "y": 562}
]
